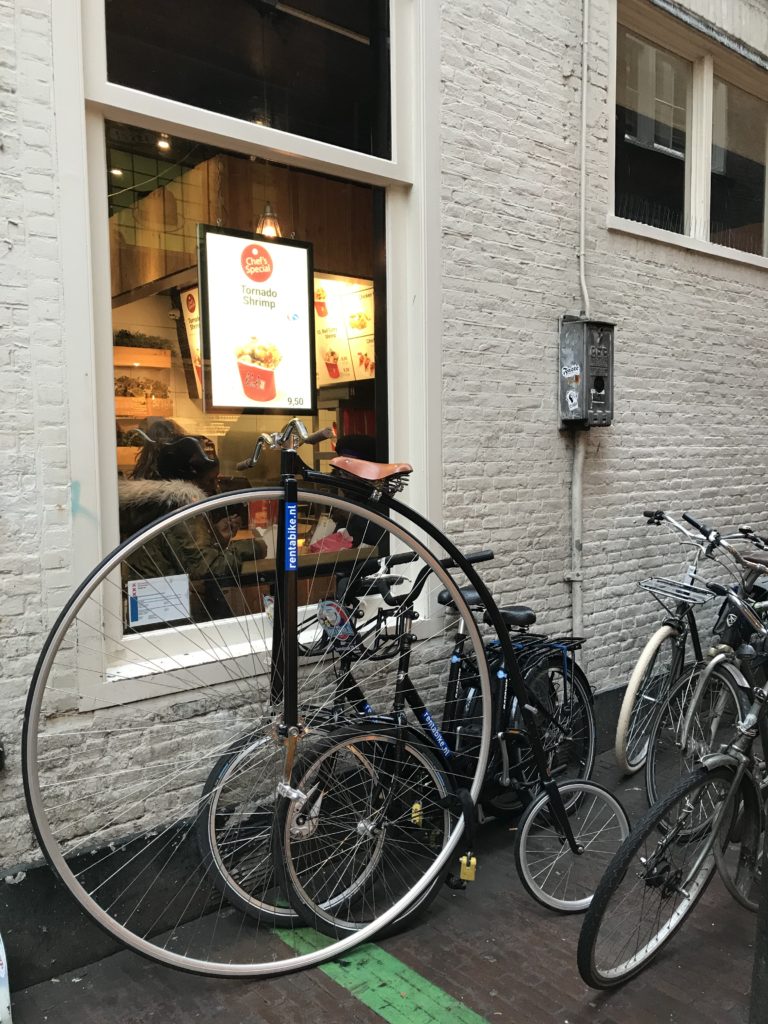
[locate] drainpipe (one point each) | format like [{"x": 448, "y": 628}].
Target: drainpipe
[{"x": 580, "y": 436}]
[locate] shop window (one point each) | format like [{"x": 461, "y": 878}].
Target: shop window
[
  {"x": 317, "y": 68},
  {"x": 737, "y": 203},
  {"x": 653, "y": 90},
  {"x": 157, "y": 199}
]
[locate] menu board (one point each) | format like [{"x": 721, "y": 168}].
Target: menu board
[
  {"x": 344, "y": 337},
  {"x": 258, "y": 327},
  {"x": 190, "y": 311}
]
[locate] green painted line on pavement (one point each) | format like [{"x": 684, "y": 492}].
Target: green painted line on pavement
[{"x": 385, "y": 984}]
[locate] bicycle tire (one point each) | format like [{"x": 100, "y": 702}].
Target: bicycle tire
[
  {"x": 740, "y": 860},
  {"x": 640, "y": 903},
  {"x": 550, "y": 871},
  {"x": 127, "y": 721},
  {"x": 235, "y": 838},
  {"x": 667, "y": 761},
  {"x": 569, "y": 740},
  {"x": 332, "y": 884},
  {"x": 647, "y": 685}
]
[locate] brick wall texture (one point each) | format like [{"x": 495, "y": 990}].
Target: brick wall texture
[
  {"x": 690, "y": 377},
  {"x": 34, "y": 499},
  {"x": 689, "y": 330}
]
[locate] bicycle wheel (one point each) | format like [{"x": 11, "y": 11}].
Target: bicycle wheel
[
  {"x": 740, "y": 860},
  {"x": 375, "y": 813},
  {"x": 235, "y": 834},
  {"x": 720, "y": 706},
  {"x": 655, "y": 880},
  {"x": 551, "y": 872},
  {"x": 648, "y": 685},
  {"x": 565, "y": 719},
  {"x": 159, "y": 666}
]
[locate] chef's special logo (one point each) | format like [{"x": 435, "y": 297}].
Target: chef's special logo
[
  {"x": 256, "y": 262},
  {"x": 191, "y": 304}
]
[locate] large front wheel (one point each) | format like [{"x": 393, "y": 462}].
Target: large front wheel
[{"x": 154, "y": 742}]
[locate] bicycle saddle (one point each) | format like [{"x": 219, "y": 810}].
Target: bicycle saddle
[
  {"x": 514, "y": 615},
  {"x": 371, "y": 471},
  {"x": 469, "y": 594}
]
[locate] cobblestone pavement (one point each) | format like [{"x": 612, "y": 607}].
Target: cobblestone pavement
[{"x": 492, "y": 948}]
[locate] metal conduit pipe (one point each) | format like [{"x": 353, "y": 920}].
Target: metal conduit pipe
[{"x": 580, "y": 437}]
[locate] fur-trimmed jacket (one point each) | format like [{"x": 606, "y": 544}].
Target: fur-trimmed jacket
[{"x": 192, "y": 547}]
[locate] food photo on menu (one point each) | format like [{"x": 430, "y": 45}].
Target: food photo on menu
[
  {"x": 258, "y": 329},
  {"x": 344, "y": 329}
]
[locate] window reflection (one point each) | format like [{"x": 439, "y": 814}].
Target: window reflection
[
  {"x": 309, "y": 67},
  {"x": 737, "y": 204}
]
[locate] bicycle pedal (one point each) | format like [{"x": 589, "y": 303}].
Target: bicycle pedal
[{"x": 468, "y": 863}]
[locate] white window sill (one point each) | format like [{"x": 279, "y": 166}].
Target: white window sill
[{"x": 631, "y": 227}]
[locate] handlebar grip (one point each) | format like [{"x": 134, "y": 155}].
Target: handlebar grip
[
  {"x": 478, "y": 556},
  {"x": 245, "y": 464},
  {"x": 320, "y": 435},
  {"x": 652, "y": 515},
  {"x": 408, "y": 556},
  {"x": 703, "y": 530}
]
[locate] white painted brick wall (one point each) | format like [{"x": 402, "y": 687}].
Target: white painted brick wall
[
  {"x": 34, "y": 501},
  {"x": 690, "y": 363}
]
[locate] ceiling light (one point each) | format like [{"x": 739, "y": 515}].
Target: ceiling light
[
  {"x": 268, "y": 224},
  {"x": 116, "y": 172},
  {"x": 163, "y": 142}
]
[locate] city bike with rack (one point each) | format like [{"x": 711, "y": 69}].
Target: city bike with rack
[
  {"x": 712, "y": 819},
  {"x": 671, "y": 653}
]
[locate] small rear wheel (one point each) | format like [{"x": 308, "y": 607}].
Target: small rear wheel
[
  {"x": 551, "y": 872},
  {"x": 374, "y": 814}
]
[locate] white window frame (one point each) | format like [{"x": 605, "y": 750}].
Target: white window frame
[
  {"x": 708, "y": 60},
  {"x": 84, "y": 99}
]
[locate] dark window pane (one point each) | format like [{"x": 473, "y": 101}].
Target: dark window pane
[
  {"x": 737, "y": 204},
  {"x": 318, "y": 68},
  {"x": 652, "y": 102}
]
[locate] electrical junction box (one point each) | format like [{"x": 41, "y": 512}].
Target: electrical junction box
[{"x": 585, "y": 372}]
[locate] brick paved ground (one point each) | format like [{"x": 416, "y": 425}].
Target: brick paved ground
[{"x": 492, "y": 948}]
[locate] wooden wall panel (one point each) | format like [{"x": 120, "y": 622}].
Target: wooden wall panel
[{"x": 156, "y": 236}]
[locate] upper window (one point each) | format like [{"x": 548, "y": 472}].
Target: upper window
[
  {"x": 317, "y": 68},
  {"x": 690, "y": 144},
  {"x": 652, "y": 109}
]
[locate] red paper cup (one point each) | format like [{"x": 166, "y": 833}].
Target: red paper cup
[
  {"x": 333, "y": 369},
  {"x": 258, "y": 382}
]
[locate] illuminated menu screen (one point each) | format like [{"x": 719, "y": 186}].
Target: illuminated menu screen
[
  {"x": 343, "y": 329},
  {"x": 258, "y": 322}
]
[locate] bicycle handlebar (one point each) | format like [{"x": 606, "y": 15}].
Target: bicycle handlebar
[
  {"x": 292, "y": 432},
  {"x": 445, "y": 563}
]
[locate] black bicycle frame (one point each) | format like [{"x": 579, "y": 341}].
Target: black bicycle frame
[{"x": 283, "y": 672}]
